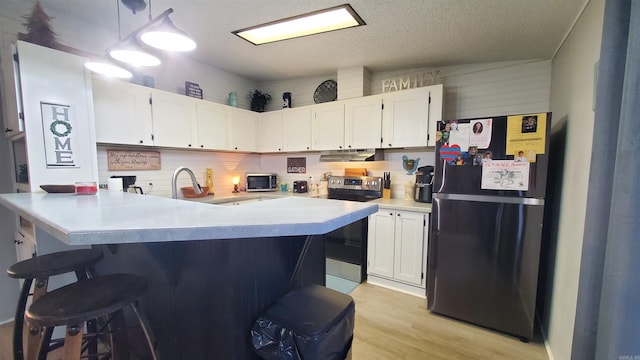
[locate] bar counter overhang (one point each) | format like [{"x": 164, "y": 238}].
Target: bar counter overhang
[{"x": 212, "y": 269}]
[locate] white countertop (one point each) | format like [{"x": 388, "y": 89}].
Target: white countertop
[{"x": 118, "y": 217}]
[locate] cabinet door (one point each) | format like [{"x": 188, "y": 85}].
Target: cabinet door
[
  {"x": 174, "y": 120},
  {"x": 436, "y": 104},
  {"x": 212, "y": 125},
  {"x": 122, "y": 112},
  {"x": 405, "y": 118},
  {"x": 409, "y": 242},
  {"x": 327, "y": 126},
  {"x": 381, "y": 243},
  {"x": 243, "y": 130},
  {"x": 363, "y": 122},
  {"x": 271, "y": 133},
  {"x": 297, "y": 129}
]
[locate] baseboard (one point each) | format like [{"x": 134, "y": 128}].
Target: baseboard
[
  {"x": 6, "y": 321},
  {"x": 545, "y": 339},
  {"x": 394, "y": 285}
]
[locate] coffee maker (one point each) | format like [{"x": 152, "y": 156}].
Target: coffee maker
[{"x": 424, "y": 184}]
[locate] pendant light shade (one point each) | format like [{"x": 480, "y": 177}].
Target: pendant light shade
[
  {"x": 131, "y": 53},
  {"x": 106, "y": 68},
  {"x": 167, "y": 36}
]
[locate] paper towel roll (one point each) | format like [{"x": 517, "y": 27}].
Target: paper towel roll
[{"x": 114, "y": 184}]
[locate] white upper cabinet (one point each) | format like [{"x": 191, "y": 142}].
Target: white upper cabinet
[
  {"x": 327, "y": 126},
  {"x": 407, "y": 116},
  {"x": 297, "y": 129},
  {"x": 405, "y": 119},
  {"x": 122, "y": 112},
  {"x": 436, "y": 104},
  {"x": 271, "y": 137},
  {"x": 174, "y": 119},
  {"x": 212, "y": 125},
  {"x": 363, "y": 122},
  {"x": 243, "y": 130}
]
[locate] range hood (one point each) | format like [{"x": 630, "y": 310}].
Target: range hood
[{"x": 352, "y": 155}]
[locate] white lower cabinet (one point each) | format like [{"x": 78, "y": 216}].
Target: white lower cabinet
[{"x": 397, "y": 247}]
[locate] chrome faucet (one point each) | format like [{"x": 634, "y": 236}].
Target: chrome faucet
[{"x": 174, "y": 190}]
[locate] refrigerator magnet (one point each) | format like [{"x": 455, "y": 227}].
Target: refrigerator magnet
[
  {"x": 505, "y": 175},
  {"x": 480, "y": 134},
  {"x": 526, "y": 133}
]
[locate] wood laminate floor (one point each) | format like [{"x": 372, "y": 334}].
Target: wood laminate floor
[{"x": 395, "y": 326}]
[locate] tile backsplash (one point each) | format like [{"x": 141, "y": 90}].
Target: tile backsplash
[{"x": 226, "y": 165}]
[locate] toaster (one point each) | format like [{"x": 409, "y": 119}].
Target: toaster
[{"x": 300, "y": 187}]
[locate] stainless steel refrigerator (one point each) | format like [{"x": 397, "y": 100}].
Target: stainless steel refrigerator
[{"x": 486, "y": 228}]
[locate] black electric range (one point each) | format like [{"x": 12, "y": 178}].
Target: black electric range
[{"x": 346, "y": 247}]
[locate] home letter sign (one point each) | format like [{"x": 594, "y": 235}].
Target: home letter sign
[{"x": 59, "y": 137}]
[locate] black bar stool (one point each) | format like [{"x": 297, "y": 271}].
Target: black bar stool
[
  {"x": 40, "y": 268},
  {"x": 100, "y": 297}
]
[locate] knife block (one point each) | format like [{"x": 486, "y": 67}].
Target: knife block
[{"x": 386, "y": 193}]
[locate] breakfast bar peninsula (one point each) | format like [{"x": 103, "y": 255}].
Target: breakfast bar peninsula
[{"x": 212, "y": 269}]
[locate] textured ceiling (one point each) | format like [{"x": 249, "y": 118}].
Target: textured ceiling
[{"x": 399, "y": 33}]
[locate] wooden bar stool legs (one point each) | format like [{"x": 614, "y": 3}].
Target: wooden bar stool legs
[
  {"x": 39, "y": 269},
  {"x": 101, "y": 297}
]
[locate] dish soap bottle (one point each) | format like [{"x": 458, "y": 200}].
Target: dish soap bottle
[{"x": 209, "y": 181}]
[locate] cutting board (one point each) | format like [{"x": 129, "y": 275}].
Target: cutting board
[{"x": 355, "y": 172}]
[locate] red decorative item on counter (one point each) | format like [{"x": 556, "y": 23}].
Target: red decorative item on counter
[{"x": 86, "y": 188}]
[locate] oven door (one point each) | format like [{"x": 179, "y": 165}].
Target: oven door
[{"x": 346, "y": 250}]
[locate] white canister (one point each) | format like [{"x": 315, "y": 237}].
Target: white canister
[{"x": 114, "y": 184}]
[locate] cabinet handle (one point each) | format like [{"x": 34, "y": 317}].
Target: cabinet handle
[
  {"x": 390, "y": 214},
  {"x": 141, "y": 141},
  {"x": 201, "y": 146},
  {"x": 189, "y": 145},
  {"x": 398, "y": 214},
  {"x": 18, "y": 242},
  {"x": 235, "y": 148},
  {"x": 7, "y": 130},
  {"x": 349, "y": 146},
  {"x": 279, "y": 149},
  {"x": 389, "y": 145},
  {"x": 307, "y": 148},
  {"x": 340, "y": 146}
]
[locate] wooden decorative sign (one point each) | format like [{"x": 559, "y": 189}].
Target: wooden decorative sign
[
  {"x": 296, "y": 165},
  {"x": 133, "y": 160}
]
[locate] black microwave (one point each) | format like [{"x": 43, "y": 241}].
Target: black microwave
[{"x": 262, "y": 182}]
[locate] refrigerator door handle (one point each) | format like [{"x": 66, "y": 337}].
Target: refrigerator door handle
[{"x": 489, "y": 198}]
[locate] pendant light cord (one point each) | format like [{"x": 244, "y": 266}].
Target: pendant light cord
[
  {"x": 150, "y": 11},
  {"x": 118, "y": 7}
]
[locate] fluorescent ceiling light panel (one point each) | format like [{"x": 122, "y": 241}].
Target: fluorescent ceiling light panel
[{"x": 336, "y": 18}]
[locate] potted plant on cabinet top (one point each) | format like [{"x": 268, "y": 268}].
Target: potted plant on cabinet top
[{"x": 258, "y": 100}]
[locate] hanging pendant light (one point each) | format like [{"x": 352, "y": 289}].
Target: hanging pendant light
[
  {"x": 166, "y": 36},
  {"x": 130, "y": 52},
  {"x": 107, "y": 68}
]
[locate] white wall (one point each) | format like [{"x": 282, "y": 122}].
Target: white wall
[
  {"x": 571, "y": 98},
  {"x": 498, "y": 88}
]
